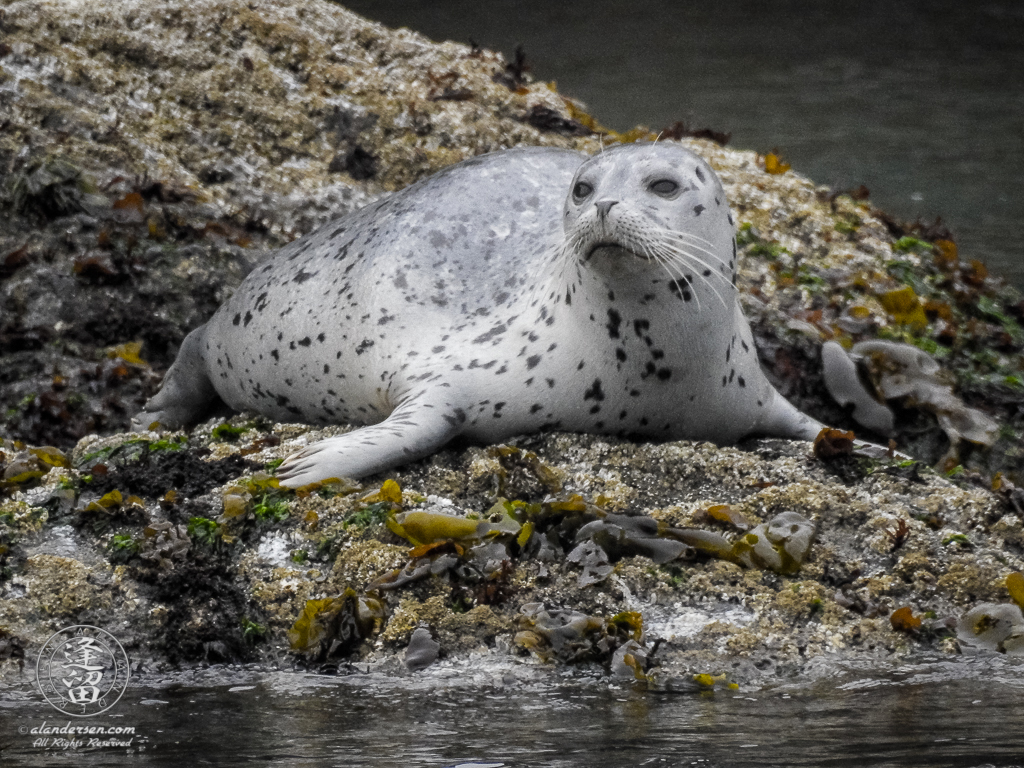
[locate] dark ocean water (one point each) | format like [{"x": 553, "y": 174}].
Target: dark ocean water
[
  {"x": 920, "y": 100},
  {"x": 928, "y": 718}
]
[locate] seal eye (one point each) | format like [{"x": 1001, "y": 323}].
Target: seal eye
[
  {"x": 664, "y": 187},
  {"x": 581, "y": 190}
]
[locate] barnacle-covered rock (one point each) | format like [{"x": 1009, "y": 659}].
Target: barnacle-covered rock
[{"x": 165, "y": 544}]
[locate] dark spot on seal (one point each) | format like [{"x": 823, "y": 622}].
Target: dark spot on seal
[
  {"x": 364, "y": 345},
  {"x": 681, "y": 287},
  {"x": 532, "y": 361},
  {"x": 551, "y": 383},
  {"x": 536, "y": 407},
  {"x": 595, "y": 409},
  {"x": 620, "y": 353},
  {"x": 594, "y": 392},
  {"x": 614, "y": 321},
  {"x": 305, "y": 342},
  {"x": 237, "y": 319},
  {"x": 657, "y": 354},
  {"x": 741, "y": 382},
  {"x": 643, "y": 421},
  {"x": 274, "y": 354},
  {"x": 303, "y": 276},
  {"x": 634, "y": 393},
  {"x": 437, "y": 350},
  {"x": 458, "y": 417},
  {"x": 664, "y": 374},
  {"x": 639, "y": 326},
  {"x": 580, "y": 366},
  {"x": 700, "y": 174},
  {"x": 497, "y": 330},
  {"x": 247, "y": 319},
  {"x": 698, "y": 210}
]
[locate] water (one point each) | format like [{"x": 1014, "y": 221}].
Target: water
[
  {"x": 922, "y": 717},
  {"x": 920, "y": 100}
]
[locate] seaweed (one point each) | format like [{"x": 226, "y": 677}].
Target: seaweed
[
  {"x": 544, "y": 118},
  {"x": 513, "y": 76},
  {"x": 1015, "y": 586},
  {"x": 47, "y": 189},
  {"x": 774, "y": 165},
  {"x": 903, "y": 620},
  {"x": 572, "y": 636},
  {"x": 679, "y": 130},
  {"x": 335, "y": 626},
  {"x": 992, "y": 627}
]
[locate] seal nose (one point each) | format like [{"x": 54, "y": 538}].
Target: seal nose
[{"x": 604, "y": 206}]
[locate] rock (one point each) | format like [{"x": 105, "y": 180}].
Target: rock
[
  {"x": 144, "y": 172},
  {"x": 422, "y": 650}
]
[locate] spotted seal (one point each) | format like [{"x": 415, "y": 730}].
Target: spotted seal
[{"x": 523, "y": 290}]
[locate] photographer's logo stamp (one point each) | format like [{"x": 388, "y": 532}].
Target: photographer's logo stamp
[{"x": 82, "y": 671}]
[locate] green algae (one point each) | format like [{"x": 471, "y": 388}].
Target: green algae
[{"x": 204, "y": 530}]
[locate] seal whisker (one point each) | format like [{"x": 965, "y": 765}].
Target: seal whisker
[
  {"x": 673, "y": 256},
  {"x": 667, "y": 233},
  {"x": 673, "y": 253},
  {"x": 667, "y": 262},
  {"x": 678, "y": 250},
  {"x": 681, "y": 233}
]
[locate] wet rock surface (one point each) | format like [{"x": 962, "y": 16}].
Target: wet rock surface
[
  {"x": 864, "y": 559},
  {"x": 150, "y": 158}
]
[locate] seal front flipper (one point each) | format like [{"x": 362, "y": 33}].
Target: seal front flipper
[
  {"x": 416, "y": 428},
  {"x": 186, "y": 393}
]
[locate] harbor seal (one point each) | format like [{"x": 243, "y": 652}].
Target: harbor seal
[{"x": 524, "y": 290}]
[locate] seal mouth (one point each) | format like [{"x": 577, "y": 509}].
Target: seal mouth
[{"x": 608, "y": 245}]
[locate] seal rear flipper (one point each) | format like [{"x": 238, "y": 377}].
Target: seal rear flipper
[
  {"x": 416, "y": 428},
  {"x": 186, "y": 395},
  {"x": 783, "y": 419}
]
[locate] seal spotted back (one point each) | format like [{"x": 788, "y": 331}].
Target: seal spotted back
[{"x": 523, "y": 290}]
